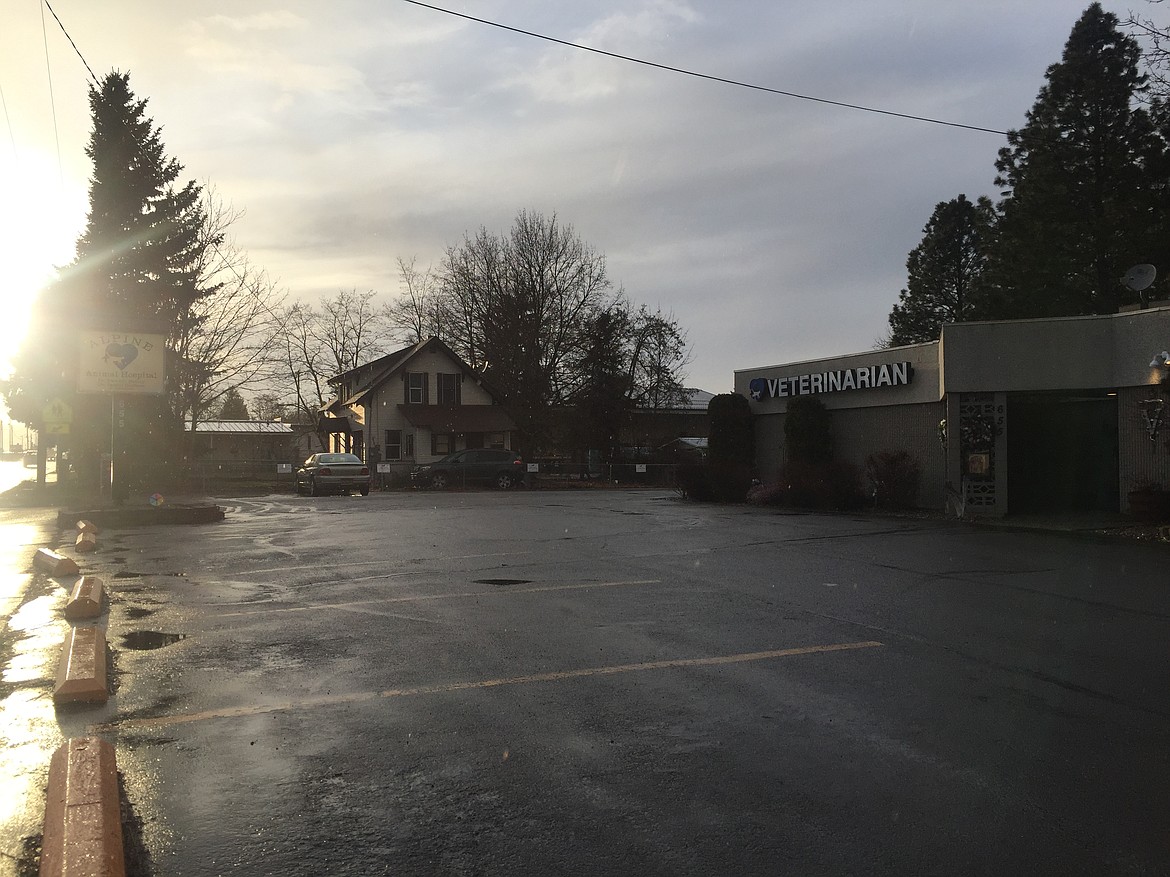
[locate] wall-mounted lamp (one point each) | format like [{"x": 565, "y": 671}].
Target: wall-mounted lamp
[{"x": 1161, "y": 360}]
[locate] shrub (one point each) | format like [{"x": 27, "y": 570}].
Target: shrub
[
  {"x": 692, "y": 483},
  {"x": 834, "y": 486},
  {"x": 731, "y": 436},
  {"x": 807, "y": 431},
  {"x": 893, "y": 479}
]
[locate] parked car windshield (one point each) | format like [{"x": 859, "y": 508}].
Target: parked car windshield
[{"x": 338, "y": 458}]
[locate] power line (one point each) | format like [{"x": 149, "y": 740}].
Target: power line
[
  {"x": 77, "y": 50},
  {"x": 707, "y": 76},
  {"x": 8, "y": 119},
  {"x": 52, "y": 100}
]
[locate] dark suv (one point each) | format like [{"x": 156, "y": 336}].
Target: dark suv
[{"x": 504, "y": 469}]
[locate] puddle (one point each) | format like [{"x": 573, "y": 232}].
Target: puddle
[
  {"x": 144, "y": 640},
  {"x": 503, "y": 581}
]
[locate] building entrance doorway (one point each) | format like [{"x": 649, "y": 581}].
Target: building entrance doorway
[{"x": 1062, "y": 452}]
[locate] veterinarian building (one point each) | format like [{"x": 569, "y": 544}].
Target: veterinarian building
[{"x": 1003, "y": 417}]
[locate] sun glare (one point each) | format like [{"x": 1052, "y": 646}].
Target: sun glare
[{"x": 40, "y": 220}]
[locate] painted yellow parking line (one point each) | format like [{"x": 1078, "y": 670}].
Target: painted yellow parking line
[
  {"x": 441, "y": 688},
  {"x": 457, "y": 595}
]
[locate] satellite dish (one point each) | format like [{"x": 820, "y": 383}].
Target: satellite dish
[{"x": 1139, "y": 277}]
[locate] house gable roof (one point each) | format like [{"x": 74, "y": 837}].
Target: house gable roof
[{"x": 385, "y": 368}]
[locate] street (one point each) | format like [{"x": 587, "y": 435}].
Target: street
[{"x": 619, "y": 682}]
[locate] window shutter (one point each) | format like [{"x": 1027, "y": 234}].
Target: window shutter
[
  {"x": 426, "y": 388},
  {"x": 406, "y": 388},
  {"x": 459, "y": 390}
]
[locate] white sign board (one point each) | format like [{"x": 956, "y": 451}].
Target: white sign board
[
  {"x": 385, "y": 468},
  {"x": 130, "y": 363},
  {"x": 533, "y": 467},
  {"x": 284, "y": 468},
  {"x": 639, "y": 468}
]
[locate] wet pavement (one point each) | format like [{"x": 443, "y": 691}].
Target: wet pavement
[
  {"x": 619, "y": 682},
  {"x": 30, "y": 643}
]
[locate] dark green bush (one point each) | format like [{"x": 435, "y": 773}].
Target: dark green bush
[
  {"x": 692, "y": 482},
  {"x": 807, "y": 431},
  {"x": 893, "y": 478},
  {"x": 731, "y": 435},
  {"x": 714, "y": 482}
]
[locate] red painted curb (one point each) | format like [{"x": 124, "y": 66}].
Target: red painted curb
[
  {"x": 83, "y": 825},
  {"x": 81, "y": 675},
  {"x": 55, "y": 564},
  {"x": 87, "y": 599}
]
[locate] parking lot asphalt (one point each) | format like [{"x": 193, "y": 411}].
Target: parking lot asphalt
[{"x": 620, "y": 682}]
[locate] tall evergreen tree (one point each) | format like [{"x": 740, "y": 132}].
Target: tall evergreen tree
[
  {"x": 1081, "y": 183},
  {"x": 944, "y": 271},
  {"x": 136, "y": 269},
  {"x": 140, "y": 252}
]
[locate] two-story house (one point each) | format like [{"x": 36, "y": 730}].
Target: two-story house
[{"x": 414, "y": 406}]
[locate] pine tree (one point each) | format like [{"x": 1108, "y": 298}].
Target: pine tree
[
  {"x": 944, "y": 271},
  {"x": 1081, "y": 183},
  {"x": 140, "y": 250},
  {"x": 233, "y": 406},
  {"x": 136, "y": 270}
]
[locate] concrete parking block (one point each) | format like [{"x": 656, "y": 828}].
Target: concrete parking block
[
  {"x": 86, "y": 526},
  {"x": 87, "y": 599},
  {"x": 55, "y": 564},
  {"x": 86, "y": 542},
  {"x": 81, "y": 674},
  {"x": 83, "y": 828}
]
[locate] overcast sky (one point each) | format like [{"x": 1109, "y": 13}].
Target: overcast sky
[{"x": 359, "y": 131}]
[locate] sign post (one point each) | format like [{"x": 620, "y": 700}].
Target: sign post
[{"x": 121, "y": 365}]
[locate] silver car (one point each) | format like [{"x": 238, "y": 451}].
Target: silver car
[{"x": 333, "y": 473}]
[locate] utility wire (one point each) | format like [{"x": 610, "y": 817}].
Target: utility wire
[
  {"x": 77, "y": 50},
  {"x": 8, "y": 119},
  {"x": 707, "y": 76},
  {"x": 52, "y": 100}
]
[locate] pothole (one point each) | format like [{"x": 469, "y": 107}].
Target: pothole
[
  {"x": 137, "y": 612},
  {"x": 126, "y": 574},
  {"x": 144, "y": 640},
  {"x": 503, "y": 581}
]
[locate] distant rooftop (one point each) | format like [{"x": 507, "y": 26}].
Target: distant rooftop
[
  {"x": 243, "y": 427},
  {"x": 699, "y": 399}
]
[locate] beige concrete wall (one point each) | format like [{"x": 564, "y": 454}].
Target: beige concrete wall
[
  {"x": 1068, "y": 353},
  {"x": 859, "y": 432}
]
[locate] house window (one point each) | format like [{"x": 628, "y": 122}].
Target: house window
[
  {"x": 408, "y": 446},
  {"x": 416, "y": 388},
  {"x": 494, "y": 440},
  {"x": 449, "y": 389},
  {"x": 393, "y": 444},
  {"x": 441, "y": 443}
]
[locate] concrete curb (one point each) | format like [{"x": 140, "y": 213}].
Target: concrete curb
[
  {"x": 81, "y": 674},
  {"x": 88, "y": 599},
  {"x": 83, "y": 825},
  {"x": 86, "y": 543},
  {"x": 54, "y": 564},
  {"x": 139, "y": 517}
]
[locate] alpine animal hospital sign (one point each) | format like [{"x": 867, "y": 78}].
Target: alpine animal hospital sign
[
  {"x": 864, "y": 377},
  {"x": 122, "y": 362}
]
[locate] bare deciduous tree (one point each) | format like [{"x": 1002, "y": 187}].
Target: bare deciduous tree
[
  {"x": 225, "y": 340},
  {"x": 418, "y": 312},
  {"x": 321, "y": 342}
]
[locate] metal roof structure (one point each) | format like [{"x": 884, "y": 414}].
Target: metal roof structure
[{"x": 242, "y": 427}]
